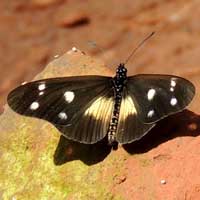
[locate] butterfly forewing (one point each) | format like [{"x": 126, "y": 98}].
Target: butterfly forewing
[
  {"x": 130, "y": 127},
  {"x": 80, "y": 106},
  {"x": 157, "y": 96}
]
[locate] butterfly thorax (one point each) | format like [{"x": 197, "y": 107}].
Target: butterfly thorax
[{"x": 119, "y": 82}]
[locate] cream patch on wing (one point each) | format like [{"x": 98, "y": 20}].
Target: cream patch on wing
[
  {"x": 100, "y": 109},
  {"x": 127, "y": 108},
  {"x": 126, "y": 120}
]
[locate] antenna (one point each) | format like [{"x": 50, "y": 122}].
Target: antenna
[{"x": 138, "y": 46}]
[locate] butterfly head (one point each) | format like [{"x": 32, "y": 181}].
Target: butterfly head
[
  {"x": 121, "y": 72},
  {"x": 120, "y": 77}
]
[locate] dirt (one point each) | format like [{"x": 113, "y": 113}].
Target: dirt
[{"x": 33, "y": 32}]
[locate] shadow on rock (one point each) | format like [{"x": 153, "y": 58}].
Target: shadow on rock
[
  {"x": 90, "y": 154},
  {"x": 185, "y": 123}
]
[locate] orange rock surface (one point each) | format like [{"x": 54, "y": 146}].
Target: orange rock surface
[{"x": 166, "y": 163}]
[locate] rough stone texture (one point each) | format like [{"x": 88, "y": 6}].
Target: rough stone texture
[
  {"x": 73, "y": 20},
  {"x": 36, "y": 163},
  {"x": 33, "y": 166},
  {"x": 30, "y": 36}
]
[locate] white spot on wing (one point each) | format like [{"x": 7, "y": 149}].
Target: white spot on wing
[
  {"x": 41, "y": 86},
  {"x": 151, "y": 93},
  {"x": 150, "y": 113},
  {"x": 69, "y": 96},
  {"x": 41, "y": 93},
  {"x": 62, "y": 115},
  {"x": 34, "y": 106},
  {"x": 171, "y": 89},
  {"x": 173, "y": 101},
  {"x": 173, "y": 83}
]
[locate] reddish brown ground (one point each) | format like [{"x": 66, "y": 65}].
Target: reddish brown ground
[{"x": 32, "y": 33}]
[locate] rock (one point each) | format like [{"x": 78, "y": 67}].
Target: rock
[
  {"x": 163, "y": 182},
  {"x": 74, "y": 20},
  {"x": 38, "y": 163},
  {"x": 33, "y": 165},
  {"x": 44, "y": 3},
  {"x": 120, "y": 179}
]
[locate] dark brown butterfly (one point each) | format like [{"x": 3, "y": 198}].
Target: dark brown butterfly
[{"x": 88, "y": 108}]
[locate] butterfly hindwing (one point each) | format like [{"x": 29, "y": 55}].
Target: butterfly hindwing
[
  {"x": 130, "y": 127},
  {"x": 157, "y": 96},
  {"x": 79, "y": 106},
  {"x": 91, "y": 124}
]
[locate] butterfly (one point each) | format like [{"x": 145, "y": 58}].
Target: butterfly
[{"x": 87, "y": 109}]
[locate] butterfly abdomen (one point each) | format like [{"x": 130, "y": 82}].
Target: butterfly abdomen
[{"x": 118, "y": 84}]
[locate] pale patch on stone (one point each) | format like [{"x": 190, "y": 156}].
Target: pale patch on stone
[
  {"x": 56, "y": 56},
  {"x": 163, "y": 182},
  {"x": 74, "y": 49},
  {"x": 24, "y": 83}
]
